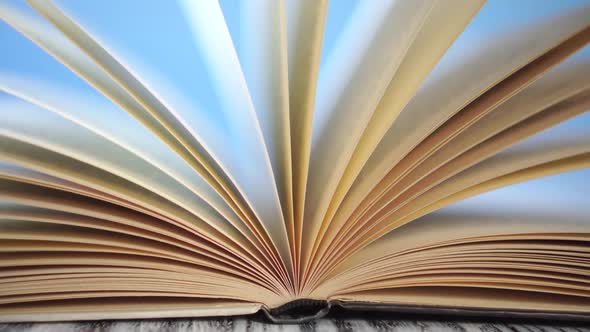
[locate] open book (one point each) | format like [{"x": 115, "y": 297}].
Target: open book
[{"x": 198, "y": 158}]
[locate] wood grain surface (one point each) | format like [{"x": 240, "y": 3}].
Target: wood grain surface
[{"x": 245, "y": 324}]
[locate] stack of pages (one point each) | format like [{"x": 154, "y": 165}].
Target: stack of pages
[{"x": 199, "y": 158}]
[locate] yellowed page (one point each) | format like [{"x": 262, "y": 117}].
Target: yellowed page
[
  {"x": 32, "y": 196},
  {"x": 266, "y": 211},
  {"x": 20, "y": 151},
  {"x": 305, "y": 31},
  {"x": 28, "y": 214},
  {"x": 127, "y": 134},
  {"x": 124, "y": 308},
  {"x": 62, "y": 49},
  {"x": 372, "y": 223},
  {"x": 34, "y": 233},
  {"x": 174, "y": 240},
  {"x": 415, "y": 164},
  {"x": 444, "y": 24},
  {"x": 538, "y": 156},
  {"x": 498, "y": 259},
  {"x": 52, "y": 132},
  {"x": 94, "y": 178},
  {"x": 468, "y": 69},
  {"x": 513, "y": 253},
  {"x": 363, "y": 62},
  {"x": 469, "y": 220},
  {"x": 556, "y": 114},
  {"x": 473, "y": 138},
  {"x": 248, "y": 167},
  {"x": 206, "y": 281},
  {"x": 262, "y": 51},
  {"x": 474, "y": 298},
  {"x": 32, "y": 203}
]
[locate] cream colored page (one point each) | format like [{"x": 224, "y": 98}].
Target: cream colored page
[
  {"x": 23, "y": 174},
  {"x": 33, "y": 236},
  {"x": 554, "y": 269},
  {"x": 29, "y": 213},
  {"x": 263, "y": 57},
  {"x": 369, "y": 49},
  {"x": 385, "y": 215},
  {"x": 512, "y": 251},
  {"x": 206, "y": 282},
  {"x": 58, "y": 134},
  {"x": 537, "y": 150},
  {"x": 474, "y": 298},
  {"x": 249, "y": 167},
  {"x": 75, "y": 171},
  {"x": 560, "y": 83},
  {"x": 100, "y": 119},
  {"x": 34, "y": 203},
  {"x": 51, "y": 254},
  {"x": 54, "y": 164},
  {"x": 468, "y": 68},
  {"x": 130, "y": 310},
  {"x": 162, "y": 232},
  {"x": 56, "y": 44},
  {"x": 520, "y": 109},
  {"x": 443, "y": 25},
  {"x": 516, "y": 211},
  {"x": 565, "y": 81},
  {"x": 39, "y": 231},
  {"x": 305, "y": 31},
  {"x": 129, "y": 134},
  {"x": 162, "y": 237},
  {"x": 57, "y": 254},
  {"x": 487, "y": 177},
  {"x": 175, "y": 159},
  {"x": 390, "y": 216},
  {"x": 200, "y": 152},
  {"x": 388, "y": 223},
  {"x": 566, "y": 144},
  {"x": 564, "y": 85},
  {"x": 563, "y": 142},
  {"x": 520, "y": 282}
]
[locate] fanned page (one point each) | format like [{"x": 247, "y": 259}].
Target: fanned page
[{"x": 216, "y": 158}]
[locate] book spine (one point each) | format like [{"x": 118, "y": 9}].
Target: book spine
[{"x": 298, "y": 311}]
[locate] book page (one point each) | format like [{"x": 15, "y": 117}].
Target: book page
[
  {"x": 375, "y": 217},
  {"x": 260, "y": 39},
  {"x": 305, "y": 35},
  {"x": 554, "y": 115},
  {"x": 125, "y": 308},
  {"x": 443, "y": 25},
  {"x": 171, "y": 106},
  {"x": 53, "y": 132},
  {"x": 97, "y": 115},
  {"x": 17, "y": 149},
  {"x": 33, "y": 203},
  {"x": 517, "y": 212},
  {"x": 470, "y": 298},
  {"x": 204, "y": 284},
  {"x": 370, "y": 49},
  {"x": 538, "y": 156},
  {"x": 565, "y": 80},
  {"x": 469, "y": 63},
  {"x": 33, "y": 236},
  {"x": 513, "y": 246},
  {"x": 382, "y": 224},
  {"x": 415, "y": 67}
]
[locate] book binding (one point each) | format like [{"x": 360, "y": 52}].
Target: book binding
[
  {"x": 298, "y": 311},
  {"x": 305, "y": 310}
]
